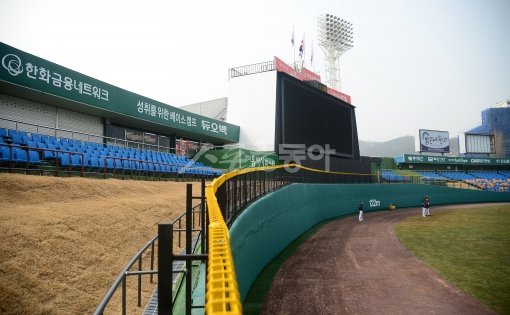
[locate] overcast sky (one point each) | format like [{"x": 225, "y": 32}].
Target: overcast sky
[{"x": 415, "y": 64}]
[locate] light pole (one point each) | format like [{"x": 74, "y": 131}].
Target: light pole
[{"x": 335, "y": 38}]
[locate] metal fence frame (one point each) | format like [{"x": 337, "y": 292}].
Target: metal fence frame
[{"x": 194, "y": 216}]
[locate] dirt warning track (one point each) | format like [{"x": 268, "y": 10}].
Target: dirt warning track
[{"x": 351, "y": 267}]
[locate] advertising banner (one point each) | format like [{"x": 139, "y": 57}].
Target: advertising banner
[
  {"x": 417, "y": 159},
  {"x": 433, "y": 141},
  {"x": 23, "y": 69}
]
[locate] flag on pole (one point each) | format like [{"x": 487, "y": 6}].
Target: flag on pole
[
  {"x": 311, "y": 55},
  {"x": 302, "y": 48},
  {"x": 292, "y": 38}
]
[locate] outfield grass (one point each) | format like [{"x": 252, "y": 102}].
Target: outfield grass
[{"x": 468, "y": 247}]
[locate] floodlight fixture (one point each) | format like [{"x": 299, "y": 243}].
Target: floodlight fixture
[{"x": 335, "y": 38}]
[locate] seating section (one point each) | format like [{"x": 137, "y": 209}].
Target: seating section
[
  {"x": 491, "y": 180},
  {"x": 431, "y": 175},
  {"x": 19, "y": 148},
  {"x": 487, "y": 180},
  {"x": 392, "y": 176}
]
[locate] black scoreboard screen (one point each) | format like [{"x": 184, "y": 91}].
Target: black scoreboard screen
[{"x": 308, "y": 116}]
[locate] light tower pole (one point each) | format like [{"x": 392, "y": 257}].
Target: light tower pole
[{"x": 335, "y": 38}]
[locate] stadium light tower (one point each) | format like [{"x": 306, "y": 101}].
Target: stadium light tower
[{"x": 335, "y": 38}]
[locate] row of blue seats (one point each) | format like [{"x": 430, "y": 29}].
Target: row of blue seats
[
  {"x": 490, "y": 174},
  {"x": 389, "y": 175},
  {"x": 26, "y": 157},
  {"x": 68, "y": 152},
  {"x": 432, "y": 175},
  {"x": 461, "y": 175}
]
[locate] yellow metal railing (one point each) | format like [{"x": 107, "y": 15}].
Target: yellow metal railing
[{"x": 222, "y": 293}]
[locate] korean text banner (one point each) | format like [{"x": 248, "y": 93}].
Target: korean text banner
[
  {"x": 416, "y": 159},
  {"x": 20, "y": 68}
]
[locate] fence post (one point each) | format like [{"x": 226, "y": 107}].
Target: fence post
[
  {"x": 202, "y": 218},
  {"x": 189, "y": 209},
  {"x": 165, "y": 253}
]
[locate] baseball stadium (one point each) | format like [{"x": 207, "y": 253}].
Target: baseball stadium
[{"x": 115, "y": 203}]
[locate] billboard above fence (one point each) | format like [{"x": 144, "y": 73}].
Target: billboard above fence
[
  {"x": 23, "y": 69},
  {"x": 432, "y": 141}
]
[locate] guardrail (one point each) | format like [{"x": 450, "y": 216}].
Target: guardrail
[
  {"x": 251, "y": 69},
  {"x": 195, "y": 222},
  {"x": 227, "y": 196}
]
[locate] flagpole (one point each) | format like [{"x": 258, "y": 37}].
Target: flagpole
[
  {"x": 293, "y": 48},
  {"x": 304, "y": 53},
  {"x": 312, "y": 64}
]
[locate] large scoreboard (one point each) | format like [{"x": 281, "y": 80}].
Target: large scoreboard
[{"x": 310, "y": 118}]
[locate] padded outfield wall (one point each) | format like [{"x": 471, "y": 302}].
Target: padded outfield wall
[{"x": 272, "y": 222}]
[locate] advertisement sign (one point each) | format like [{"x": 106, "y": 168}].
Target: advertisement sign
[
  {"x": 23, "y": 69},
  {"x": 231, "y": 159},
  {"x": 433, "y": 141},
  {"x": 418, "y": 159}
]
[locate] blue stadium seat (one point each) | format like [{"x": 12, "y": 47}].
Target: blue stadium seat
[
  {"x": 3, "y": 132},
  {"x": 20, "y": 155},
  {"x": 43, "y": 138},
  {"x": 48, "y": 154},
  {"x": 33, "y": 157},
  {"x": 93, "y": 162},
  {"x": 16, "y": 139},
  {"x": 109, "y": 163},
  {"x": 65, "y": 159},
  {"x": 31, "y": 144},
  {"x": 49, "y": 140},
  {"x": 5, "y": 153},
  {"x": 76, "y": 160}
]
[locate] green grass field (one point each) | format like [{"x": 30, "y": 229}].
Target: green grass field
[{"x": 468, "y": 247}]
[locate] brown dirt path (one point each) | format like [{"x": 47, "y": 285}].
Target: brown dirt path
[{"x": 348, "y": 267}]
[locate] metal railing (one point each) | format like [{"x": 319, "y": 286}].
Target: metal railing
[
  {"x": 227, "y": 196},
  {"x": 28, "y": 166},
  {"x": 195, "y": 221},
  {"x": 77, "y": 135},
  {"x": 238, "y": 191},
  {"x": 251, "y": 69},
  {"x": 230, "y": 194}
]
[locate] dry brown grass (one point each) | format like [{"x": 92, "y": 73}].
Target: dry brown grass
[{"x": 64, "y": 240}]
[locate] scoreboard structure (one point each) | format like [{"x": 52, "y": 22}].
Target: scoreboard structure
[{"x": 297, "y": 117}]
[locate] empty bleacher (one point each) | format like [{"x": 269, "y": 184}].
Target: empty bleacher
[
  {"x": 491, "y": 180},
  {"x": 392, "y": 176},
  {"x": 486, "y": 179},
  {"x": 37, "y": 153}
]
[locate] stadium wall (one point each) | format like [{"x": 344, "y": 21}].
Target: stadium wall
[{"x": 271, "y": 223}]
